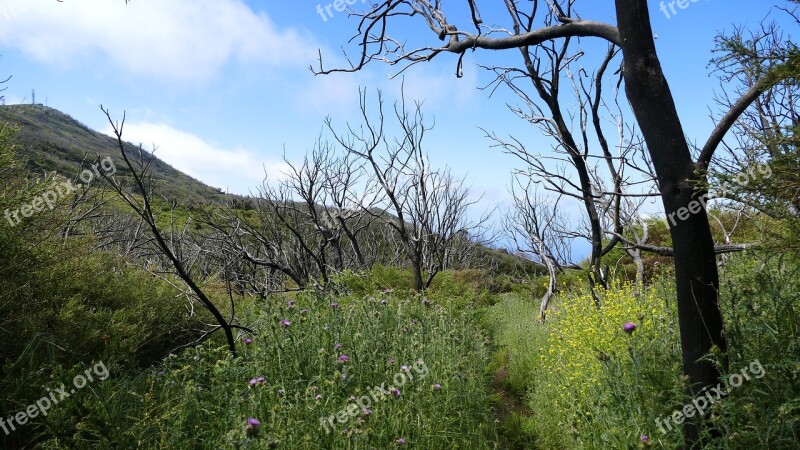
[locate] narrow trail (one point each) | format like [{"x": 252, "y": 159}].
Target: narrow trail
[{"x": 509, "y": 410}]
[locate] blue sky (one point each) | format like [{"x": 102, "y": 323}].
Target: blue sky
[{"x": 223, "y": 86}]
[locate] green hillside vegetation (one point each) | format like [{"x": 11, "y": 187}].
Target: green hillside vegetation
[{"x": 52, "y": 141}]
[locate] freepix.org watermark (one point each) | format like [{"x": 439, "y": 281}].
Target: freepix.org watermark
[
  {"x": 337, "y": 5},
  {"x": 10, "y": 9},
  {"x": 53, "y": 397},
  {"x": 704, "y": 402},
  {"x": 742, "y": 179},
  {"x": 51, "y": 197},
  {"x": 669, "y": 7},
  {"x": 362, "y": 405}
]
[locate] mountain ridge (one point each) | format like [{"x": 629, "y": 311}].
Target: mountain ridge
[{"x": 53, "y": 141}]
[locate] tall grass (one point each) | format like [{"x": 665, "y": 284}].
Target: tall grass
[{"x": 203, "y": 398}]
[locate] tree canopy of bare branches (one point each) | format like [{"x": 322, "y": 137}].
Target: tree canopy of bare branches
[{"x": 427, "y": 208}]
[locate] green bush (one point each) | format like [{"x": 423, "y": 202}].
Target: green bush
[
  {"x": 761, "y": 295},
  {"x": 63, "y": 303}
]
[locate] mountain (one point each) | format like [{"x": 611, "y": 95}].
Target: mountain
[{"x": 53, "y": 141}]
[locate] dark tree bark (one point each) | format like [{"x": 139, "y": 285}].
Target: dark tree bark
[{"x": 696, "y": 273}]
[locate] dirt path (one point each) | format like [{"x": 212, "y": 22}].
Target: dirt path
[{"x": 509, "y": 412}]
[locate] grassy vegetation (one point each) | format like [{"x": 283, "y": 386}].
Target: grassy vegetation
[
  {"x": 312, "y": 367},
  {"x": 590, "y": 384}
]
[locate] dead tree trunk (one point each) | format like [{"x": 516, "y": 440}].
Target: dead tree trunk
[{"x": 696, "y": 274}]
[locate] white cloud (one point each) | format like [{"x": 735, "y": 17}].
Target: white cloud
[
  {"x": 11, "y": 99},
  {"x": 337, "y": 94},
  {"x": 236, "y": 170},
  {"x": 174, "y": 40}
]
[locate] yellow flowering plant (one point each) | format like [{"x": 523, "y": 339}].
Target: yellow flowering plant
[{"x": 585, "y": 334}]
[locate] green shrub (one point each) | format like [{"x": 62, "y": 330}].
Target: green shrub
[
  {"x": 761, "y": 302},
  {"x": 63, "y": 303}
]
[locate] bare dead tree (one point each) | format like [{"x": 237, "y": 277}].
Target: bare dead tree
[
  {"x": 426, "y": 208},
  {"x": 534, "y": 226},
  {"x": 681, "y": 178},
  {"x": 331, "y": 196},
  {"x": 738, "y": 216},
  {"x": 261, "y": 239},
  {"x": 143, "y": 208},
  {"x": 545, "y": 66},
  {"x": 87, "y": 205},
  {"x": 584, "y": 165},
  {"x": 381, "y": 245},
  {"x": 305, "y": 226}
]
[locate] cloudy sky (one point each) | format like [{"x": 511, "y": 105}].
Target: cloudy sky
[{"x": 223, "y": 87}]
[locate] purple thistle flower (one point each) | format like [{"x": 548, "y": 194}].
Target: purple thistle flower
[
  {"x": 253, "y": 423},
  {"x": 426, "y": 302},
  {"x": 285, "y": 323},
  {"x": 404, "y": 368},
  {"x": 629, "y": 327},
  {"x": 396, "y": 392},
  {"x": 437, "y": 386},
  {"x": 290, "y": 305},
  {"x": 391, "y": 361},
  {"x": 257, "y": 381},
  {"x": 318, "y": 397},
  {"x": 366, "y": 412},
  {"x": 402, "y": 441},
  {"x": 335, "y": 305},
  {"x": 383, "y": 302},
  {"x": 304, "y": 311},
  {"x": 248, "y": 341},
  {"x": 337, "y": 347},
  {"x": 344, "y": 358}
]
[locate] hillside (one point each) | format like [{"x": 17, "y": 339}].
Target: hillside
[
  {"x": 53, "y": 141},
  {"x": 50, "y": 140}
]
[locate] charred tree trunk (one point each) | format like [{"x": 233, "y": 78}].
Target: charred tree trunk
[
  {"x": 416, "y": 267},
  {"x": 353, "y": 242},
  {"x": 338, "y": 255},
  {"x": 696, "y": 273}
]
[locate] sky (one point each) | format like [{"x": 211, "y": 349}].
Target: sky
[{"x": 223, "y": 87}]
